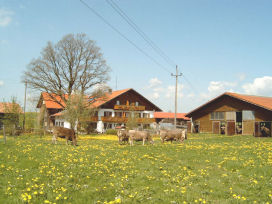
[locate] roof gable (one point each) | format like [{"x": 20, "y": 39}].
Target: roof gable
[
  {"x": 49, "y": 102},
  {"x": 121, "y": 93},
  {"x": 260, "y": 101}
]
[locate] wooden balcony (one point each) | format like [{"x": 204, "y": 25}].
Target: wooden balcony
[
  {"x": 90, "y": 119},
  {"x": 129, "y": 108},
  {"x": 124, "y": 120}
]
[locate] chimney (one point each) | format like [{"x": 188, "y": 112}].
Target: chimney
[{"x": 110, "y": 91}]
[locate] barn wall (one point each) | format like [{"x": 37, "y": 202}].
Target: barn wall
[{"x": 248, "y": 127}]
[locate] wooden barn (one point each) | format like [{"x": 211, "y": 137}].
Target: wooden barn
[{"x": 232, "y": 113}]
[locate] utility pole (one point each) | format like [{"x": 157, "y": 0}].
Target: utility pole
[
  {"x": 176, "y": 94},
  {"x": 24, "y": 106}
]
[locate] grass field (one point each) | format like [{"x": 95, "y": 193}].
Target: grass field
[{"x": 204, "y": 169}]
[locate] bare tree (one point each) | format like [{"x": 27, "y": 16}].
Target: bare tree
[{"x": 75, "y": 63}]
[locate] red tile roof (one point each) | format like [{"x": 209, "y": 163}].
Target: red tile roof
[
  {"x": 3, "y": 106},
  {"x": 261, "y": 101},
  {"x": 49, "y": 103},
  {"x": 170, "y": 115},
  {"x": 264, "y": 102},
  {"x": 109, "y": 96}
]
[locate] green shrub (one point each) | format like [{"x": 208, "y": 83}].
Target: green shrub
[{"x": 111, "y": 132}]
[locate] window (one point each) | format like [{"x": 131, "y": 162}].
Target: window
[
  {"x": 62, "y": 124},
  {"x": 126, "y": 114},
  {"x": 146, "y": 115},
  {"x": 248, "y": 115},
  {"x": 136, "y": 103},
  {"x": 107, "y": 113},
  {"x": 117, "y": 102},
  {"x": 230, "y": 116},
  {"x": 217, "y": 115},
  {"x": 118, "y": 114}
]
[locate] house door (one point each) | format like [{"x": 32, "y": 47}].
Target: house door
[
  {"x": 230, "y": 128},
  {"x": 216, "y": 127}
]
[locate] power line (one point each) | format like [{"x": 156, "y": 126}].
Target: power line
[
  {"x": 122, "y": 35},
  {"x": 190, "y": 84},
  {"x": 140, "y": 32}
]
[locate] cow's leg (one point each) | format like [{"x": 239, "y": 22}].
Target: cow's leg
[
  {"x": 54, "y": 139},
  {"x": 143, "y": 141},
  {"x": 74, "y": 141}
]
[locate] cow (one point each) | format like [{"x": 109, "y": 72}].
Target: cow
[
  {"x": 61, "y": 132},
  {"x": 136, "y": 135},
  {"x": 173, "y": 135},
  {"x": 265, "y": 131},
  {"x": 123, "y": 136}
]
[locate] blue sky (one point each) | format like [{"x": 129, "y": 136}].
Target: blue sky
[{"x": 219, "y": 45}]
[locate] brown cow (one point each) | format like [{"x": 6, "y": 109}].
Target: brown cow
[
  {"x": 123, "y": 136},
  {"x": 171, "y": 135},
  {"x": 61, "y": 132},
  {"x": 136, "y": 135},
  {"x": 265, "y": 131}
]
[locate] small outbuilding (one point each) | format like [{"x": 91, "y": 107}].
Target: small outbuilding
[
  {"x": 233, "y": 113},
  {"x": 166, "y": 119}
]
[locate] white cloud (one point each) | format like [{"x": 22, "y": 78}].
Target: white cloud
[
  {"x": 154, "y": 82},
  {"x": 1, "y": 83},
  {"x": 219, "y": 86},
  {"x": 216, "y": 88},
  {"x": 155, "y": 95},
  {"x": 171, "y": 91},
  {"x": 5, "y": 17},
  {"x": 260, "y": 86}
]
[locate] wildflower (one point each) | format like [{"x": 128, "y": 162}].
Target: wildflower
[{"x": 118, "y": 200}]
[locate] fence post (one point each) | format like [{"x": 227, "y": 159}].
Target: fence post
[{"x": 5, "y": 139}]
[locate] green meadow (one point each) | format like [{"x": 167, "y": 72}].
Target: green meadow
[{"x": 203, "y": 169}]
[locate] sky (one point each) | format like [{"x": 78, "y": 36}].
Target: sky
[{"x": 218, "y": 45}]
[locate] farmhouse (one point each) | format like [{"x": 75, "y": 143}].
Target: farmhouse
[
  {"x": 111, "y": 111},
  {"x": 232, "y": 113}
]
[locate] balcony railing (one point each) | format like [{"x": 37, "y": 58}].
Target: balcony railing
[
  {"x": 124, "y": 120},
  {"x": 127, "y": 107}
]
